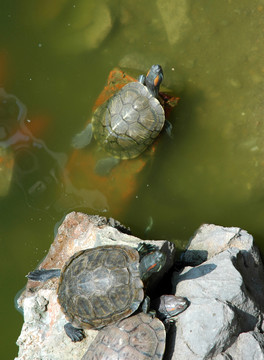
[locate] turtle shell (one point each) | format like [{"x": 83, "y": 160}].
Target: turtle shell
[
  {"x": 100, "y": 286},
  {"x": 140, "y": 337},
  {"x": 128, "y": 122}
]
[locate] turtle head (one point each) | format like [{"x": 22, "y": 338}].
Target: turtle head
[
  {"x": 153, "y": 79},
  {"x": 151, "y": 263},
  {"x": 168, "y": 306}
]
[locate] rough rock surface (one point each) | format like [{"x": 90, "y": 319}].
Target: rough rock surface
[
  {"x": 43, "y": 336},
  {"x": 226, "y": 291},
  {"x": 247, "y": 346},
  {"x": 223, "y": 278}
]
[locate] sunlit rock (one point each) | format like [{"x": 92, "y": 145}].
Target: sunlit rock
[
  {"x": 210, "y": 240},
  {"x": 248, "y": 345},
  {"x": 43, "y": 336},
  {"x": 223, "y": 279},
  {"x": 226, "y": 291}
]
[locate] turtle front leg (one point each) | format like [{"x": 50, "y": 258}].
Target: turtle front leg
[
  {"x": 142, "y": 79},
  {"x": 83, "y": 139},
  {"x": 43, "y": 274},
  {"x": 75, "y": 334}
]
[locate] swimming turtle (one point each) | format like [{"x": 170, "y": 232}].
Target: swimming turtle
[
  {"x": 140, "y": 336},
  {"x": 102, "y": 285},
  {"x": 128, "y": 122}
]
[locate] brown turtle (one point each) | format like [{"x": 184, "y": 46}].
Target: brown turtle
[
  {"x": 129, "y": 121},
  {"x": 100, "y": 286},
  {"x": 140, "y": 336}
]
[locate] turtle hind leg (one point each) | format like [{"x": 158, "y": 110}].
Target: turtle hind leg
[
  {"x": 43, "y": 274},
  {"x": 168, "y": 128},
  {"x": 75, "y": 334},
  {"x": 145, "y": 305}
]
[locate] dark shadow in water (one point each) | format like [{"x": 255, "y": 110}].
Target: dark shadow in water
[
  {"x": 184, "y": 116},
  {"x": 259, "y": 240}
]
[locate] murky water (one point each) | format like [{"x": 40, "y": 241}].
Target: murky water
[{"x": 55, "y": 56}]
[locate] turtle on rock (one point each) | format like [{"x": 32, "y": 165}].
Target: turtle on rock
[
  {"x": 141, "y": 336},
  {"x": 128, "y": 122},
  {"x": 102, "y": 285}
]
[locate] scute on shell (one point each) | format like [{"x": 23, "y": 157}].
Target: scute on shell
[{"x": 128, "y": 122}]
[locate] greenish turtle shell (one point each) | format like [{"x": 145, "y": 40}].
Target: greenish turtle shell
[
  {"x": 128, "y": 122},
  {"x": 140, "y": 337},
  {"x": 100, "y": 286}
]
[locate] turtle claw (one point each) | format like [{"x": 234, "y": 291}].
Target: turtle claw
[
  {"x": 75, "y": 334},
  {"x": 78, "y": 335}
]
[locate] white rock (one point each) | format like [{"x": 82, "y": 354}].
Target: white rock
[
  {"x": 210, "y": 240},
  {"x": 248, "y": 345},
  {"x": 226, "y": 290},
  {"x": 203, "y": 326},
  {"x": 226, "y": 293},
  {"x": 43, "y": 336}
]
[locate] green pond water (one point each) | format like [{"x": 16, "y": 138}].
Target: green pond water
[{"x": 55, "y": 56}]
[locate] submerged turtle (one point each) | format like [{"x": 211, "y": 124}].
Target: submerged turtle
[
  {"x": 140, "y": 336},
  {"x": 129, "y": 121},
  {"x": 100, "y": 286}
]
